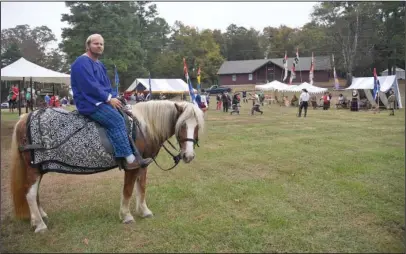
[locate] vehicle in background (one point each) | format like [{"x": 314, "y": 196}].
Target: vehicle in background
[{"x": 215, "y": 89}]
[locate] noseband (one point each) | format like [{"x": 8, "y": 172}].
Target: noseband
[{"x": 195, "y": 141}]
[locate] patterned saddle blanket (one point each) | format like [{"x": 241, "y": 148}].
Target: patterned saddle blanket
[{"x": 67, "y": 142}]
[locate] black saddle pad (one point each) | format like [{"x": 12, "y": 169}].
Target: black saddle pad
[{"x": 71, "y": 143}]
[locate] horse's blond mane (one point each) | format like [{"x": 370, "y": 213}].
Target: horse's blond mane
[{"x": 157, "y": 118}]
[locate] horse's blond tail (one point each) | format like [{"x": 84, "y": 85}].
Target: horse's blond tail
[{"x": 18, "y": 176}]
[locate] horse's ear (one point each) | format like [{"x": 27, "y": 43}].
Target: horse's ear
[{"x": 179, "y": 108}]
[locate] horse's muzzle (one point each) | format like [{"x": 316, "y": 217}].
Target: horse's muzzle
[{"x": 188, "y": 157}]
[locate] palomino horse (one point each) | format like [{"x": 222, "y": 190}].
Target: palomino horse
[{"x": 158, "y": 121}]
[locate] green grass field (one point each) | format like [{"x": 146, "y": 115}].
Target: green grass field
[{"x": 331, "y": 182}]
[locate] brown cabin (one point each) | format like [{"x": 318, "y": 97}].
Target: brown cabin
[{"x": 262, "y": 71}]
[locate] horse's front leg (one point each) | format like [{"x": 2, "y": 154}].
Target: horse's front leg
[
  {"x": 140, "y": 187},
  {"x": 129, "y": 180}
]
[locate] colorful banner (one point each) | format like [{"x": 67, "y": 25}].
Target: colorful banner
[
  {"x": 191, "y": 92},
  {"x": 293, "y": 71},
  {"x": 377, "y": 86},
  {"x": 198, "y": 79}
]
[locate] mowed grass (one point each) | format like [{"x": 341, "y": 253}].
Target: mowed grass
[{"x": 331, "y": 182}]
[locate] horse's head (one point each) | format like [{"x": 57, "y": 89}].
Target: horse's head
[{"x": 190, "y": 121}]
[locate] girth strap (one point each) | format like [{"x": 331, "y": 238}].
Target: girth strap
[{"x": 30, "y": 147}]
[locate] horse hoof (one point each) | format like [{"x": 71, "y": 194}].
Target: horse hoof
[
  {"x": 128, "y": 220},
  {"x": 41, "y": 230},
  {"x": 148, "y": 215}
]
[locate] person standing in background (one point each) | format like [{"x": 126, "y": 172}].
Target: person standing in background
[
  {"x": 303, "y": 102},
  {"x": 47, "y": 100}
]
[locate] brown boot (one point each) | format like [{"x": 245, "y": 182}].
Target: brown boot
[{"x": 139, "y": 163}]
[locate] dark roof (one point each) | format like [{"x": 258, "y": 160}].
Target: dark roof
[
  {"x": 243, "y": 66},
  {"x": 249, "y": 66}
]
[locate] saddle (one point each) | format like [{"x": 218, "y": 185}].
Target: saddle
[{"x": 68, "y": 142}]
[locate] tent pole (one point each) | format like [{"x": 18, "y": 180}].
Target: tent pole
[
  {"x": 32, "y": 94},
  {"x": 378, "y": 100},
  {"x": 19, "y": 96}
]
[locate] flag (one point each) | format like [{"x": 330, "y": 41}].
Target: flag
[
  {"x": 311, "y": 72},
  {"x": 150, "y": 89},
  {"x": 297, "y": 57},
  {"x": 293, "y": 71},
  {"x": 116, "y": 79},
  {"x": 198, "y": 79},
  {"x": 191, "y": 92},
  {"x": 377, "y": 86},
  {"x": 185, "y": 71},
  {"x": 336, "y": 83},
  {"x": 285, "y": 65}
]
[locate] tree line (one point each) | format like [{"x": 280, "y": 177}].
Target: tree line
[{"x": 361, "y": 35}]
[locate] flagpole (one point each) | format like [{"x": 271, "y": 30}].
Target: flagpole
[{"x": 378, "y": 96}]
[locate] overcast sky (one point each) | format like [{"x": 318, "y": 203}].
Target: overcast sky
[{"x": 212, "y": 15}]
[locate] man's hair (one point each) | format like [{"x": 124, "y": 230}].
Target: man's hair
[{"x": 89, "y": 40}]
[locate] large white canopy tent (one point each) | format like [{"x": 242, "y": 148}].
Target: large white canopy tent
[
  {"x": 160, "y": 85},
  {"x": 271, "y": 86},
  {"x": 386, "y": 83},
  {"x": 282, "y": 87},
  {"x": 25, "y": 69}
]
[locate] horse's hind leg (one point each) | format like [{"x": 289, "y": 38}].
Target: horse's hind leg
[
  {"x": 36, "y": 216},
  {"x": 140, "y": 187},
  {"x": 44, "y": 215},
  {"x": 129, "y": 180}
]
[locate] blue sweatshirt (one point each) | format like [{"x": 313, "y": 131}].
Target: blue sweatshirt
[{"x": 90, "y": 84}]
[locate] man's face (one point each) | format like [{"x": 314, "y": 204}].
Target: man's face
[{"x": 96, "y": 46}]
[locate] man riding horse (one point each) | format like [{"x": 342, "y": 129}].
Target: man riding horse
[{"x": 94, "y": 98}]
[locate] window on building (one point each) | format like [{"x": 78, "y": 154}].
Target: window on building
[
  {"x": 250, "y": 76},
  {"x": 234, "y": 77}
]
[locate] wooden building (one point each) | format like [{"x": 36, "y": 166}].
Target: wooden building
[{"x": 266, "y": 70}]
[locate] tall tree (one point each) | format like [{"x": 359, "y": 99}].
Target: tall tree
[
  {"x": 31, "y": 43},
  {"x": 347, "y": 23},
  {"x": 10, "y": 55},
  {"x": 390, "y": 44},
  {"x": 115, "y": 22}
]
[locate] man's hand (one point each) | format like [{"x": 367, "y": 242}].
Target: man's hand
[{"x": 115, "y": 103}]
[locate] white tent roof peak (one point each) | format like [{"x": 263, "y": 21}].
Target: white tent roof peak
[{"x": 23, "y": 68}]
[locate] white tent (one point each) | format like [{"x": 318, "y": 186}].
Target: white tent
[
  {"x": 160, "y": 85},
  {"x": 310, "y": 88},
  {"x": 400, "y": 74},
  {"x": 274, "y": 85},
  {"x": 386, "y": 82},
  {"x": 25, "y": 69},
  {"x": 282, "y": 87}
]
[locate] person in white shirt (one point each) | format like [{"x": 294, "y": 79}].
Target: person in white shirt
[
  {"x": 303, "y": 102},
  {"x": 203, "y": 99}
]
